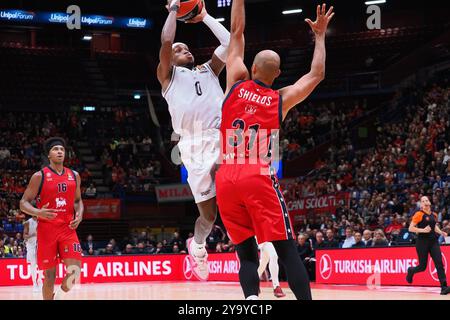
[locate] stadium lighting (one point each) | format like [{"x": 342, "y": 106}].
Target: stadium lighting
[
  {"x": 137, "y": 96},
  {"x": 292, "y": 11},
  {"x": 87, "y": 38},
  {"x": 375, "y": 2},
  {"x": 220, "y": 19}
]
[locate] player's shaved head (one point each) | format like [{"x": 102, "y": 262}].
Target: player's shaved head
[{"x": 266, "y": 66}]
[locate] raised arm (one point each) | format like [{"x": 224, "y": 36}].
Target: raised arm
[
  {"x": 164, "y": 71},
  {"x": 219, "y": 57},
  {"x": 294, "y": 94},
  {"x": 236, "y": 69}
]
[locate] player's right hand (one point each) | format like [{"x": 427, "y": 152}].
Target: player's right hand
[
  {"x": 427, "y": 229},
  {"x": 45, "y": 213},
  {"x": 198, "y": 17}
]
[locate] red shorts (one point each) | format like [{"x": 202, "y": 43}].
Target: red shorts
[
  {"x": 54, "y": 243},
  {"x": 251, "y": 203}
]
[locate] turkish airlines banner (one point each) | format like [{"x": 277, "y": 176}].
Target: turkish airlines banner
[
  {"x": 174, "y": 192},
  {"x": 319, "y": 204},
  {"x": 130, "y": 268},
  {"x": 375, "y": 266},
  {"x": 101, "y": 209}
]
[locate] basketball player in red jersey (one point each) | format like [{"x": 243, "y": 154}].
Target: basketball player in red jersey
[
  {"x": 248, "y": 194},
  {"x": 59, "y": 211}
]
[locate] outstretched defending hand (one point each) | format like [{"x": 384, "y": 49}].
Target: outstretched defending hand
[
  {"x": 198, "y": 17},
  {"x": 320, "y": 25}
]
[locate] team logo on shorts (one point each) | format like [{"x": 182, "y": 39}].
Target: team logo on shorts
[
  {"x": 187, "y": 267},
  {"x": 325, "y": 266},
  {"x": 205, "y": 193},
  {"x": 432, "y": 268},
  {"x": 66, "y": 249}
]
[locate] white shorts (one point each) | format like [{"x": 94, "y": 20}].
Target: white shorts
[
  {"x": 199, "y": 156},
  {"x": 31, "y": 254}
]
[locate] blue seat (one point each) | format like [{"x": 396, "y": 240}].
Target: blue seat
[
  {"x": 19, "y": 227},
  {"x": 8, "y": 227}
]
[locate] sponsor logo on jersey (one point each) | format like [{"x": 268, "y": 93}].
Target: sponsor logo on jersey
[
  {"x": 48, "y": 174},
  {"x": 60, "y": 202},
  {"x": 69, "y": 177},
  {"x": 250, "y": 109}
]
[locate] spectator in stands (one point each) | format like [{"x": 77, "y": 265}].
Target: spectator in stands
[
  {"x": 175, "y": 249},
  {"x": 108, "y": 250},
  {"x": 128, "y": 249},
  {"x": 115, "y": 247},
  {"x": 177, "y": 240},
  {"x": 331, "y": 241},
  {"x": 379, "y": 239},
  {"x": 359, "y": 243},
  {"x": 141, "y": 249},
  {"x": 160, "y": 248},
  {"x": 91, "y": 191},
  {"x": 215, "y": 235},
  {"x": 349, "y": 238},
  {"x": 367, "y": 238},
  {"x": 305, "y": 252},
  {"x": 89, "y": 245}
]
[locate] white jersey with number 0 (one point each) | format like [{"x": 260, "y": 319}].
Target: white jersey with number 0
[{"x": 194, "y": 98}]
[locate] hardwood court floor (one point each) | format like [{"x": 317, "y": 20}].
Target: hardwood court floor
[{"x": 223, "y": 291}]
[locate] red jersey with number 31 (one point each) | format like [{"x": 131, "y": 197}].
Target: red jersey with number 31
[
  {"x": 251, "y": 118},
  {"x": 58, "y": 190}
]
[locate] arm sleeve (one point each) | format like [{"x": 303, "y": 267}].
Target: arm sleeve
[{"x": 417, "y": 217}]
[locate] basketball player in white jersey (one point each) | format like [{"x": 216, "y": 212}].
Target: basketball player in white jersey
[
  {"x": 195, "y": 97},
  {"x": 29, "y": 234},
  {"x": 269, "y": 256}
]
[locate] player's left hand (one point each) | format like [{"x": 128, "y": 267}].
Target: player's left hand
[
  {"x": 198, "y": 17},
  {"x": 76, "y": 222},
  {"x": 323, "y": 18}
]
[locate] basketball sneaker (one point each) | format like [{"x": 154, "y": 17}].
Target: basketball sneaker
[
  {"x": 445, "y": 290},
  {"x": 409, "y": 276},
  {"x": 277, "y": 292},
  {"x": 199, "y": 259}
]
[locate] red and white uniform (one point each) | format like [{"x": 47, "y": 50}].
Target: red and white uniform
[
  {"x": 54, "y": 237},
  {"x": 248, "y": 193}
]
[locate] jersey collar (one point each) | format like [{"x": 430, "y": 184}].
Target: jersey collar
[
  {"x": 262, "y": 84},
  {"x": 64, "y": 171}
]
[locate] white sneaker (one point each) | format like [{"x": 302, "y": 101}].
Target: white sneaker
[
  {"x": 199, "y": 260},
  {"x": 252, "y": 298}
]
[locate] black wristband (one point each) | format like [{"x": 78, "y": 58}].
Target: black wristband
[{"x": 175, "y": 7}]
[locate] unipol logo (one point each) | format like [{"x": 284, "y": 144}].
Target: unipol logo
[
  {"x": 325, "y": 266},
  {"x": 432, "y": 268},
  {"x": 187, "y": 268},
  {"x": 60, "y": 202}
]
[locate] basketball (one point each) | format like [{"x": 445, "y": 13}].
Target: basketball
[{"x": 189, "y": 9}]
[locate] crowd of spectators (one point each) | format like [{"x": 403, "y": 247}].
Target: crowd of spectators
[
  {"x": 385, "y": 183},
  {"x": 312, "y": 124}
]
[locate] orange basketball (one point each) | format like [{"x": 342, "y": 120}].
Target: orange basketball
[{"x": 189, "y": 9}]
